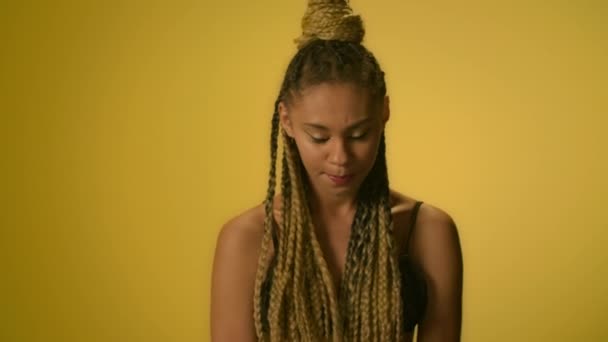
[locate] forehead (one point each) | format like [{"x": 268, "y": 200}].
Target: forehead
[{"x": 332, "y": 102}]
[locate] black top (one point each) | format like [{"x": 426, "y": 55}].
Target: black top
[{"x": 413, "y": 285}]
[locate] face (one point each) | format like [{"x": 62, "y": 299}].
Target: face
[{"x": 337, "y": 131}]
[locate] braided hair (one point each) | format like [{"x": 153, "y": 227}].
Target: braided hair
[{"x": 301, "y": 303}]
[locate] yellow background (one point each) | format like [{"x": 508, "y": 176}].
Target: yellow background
[{"x": 132, "y": 130}]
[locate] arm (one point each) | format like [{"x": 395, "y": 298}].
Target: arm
[
  {"x": 437, "y": 249},
  {"x": 233, "y": 278}
]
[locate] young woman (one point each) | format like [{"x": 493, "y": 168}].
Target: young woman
[{"x": 337, "y": 255}]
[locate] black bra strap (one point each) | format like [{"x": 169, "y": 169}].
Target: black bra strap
[{"x": 412, "y": 225}]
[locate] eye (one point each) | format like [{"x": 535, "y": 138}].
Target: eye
[
  {"x": 360, "y": 136},
  {"x": 318, "y": 140}
]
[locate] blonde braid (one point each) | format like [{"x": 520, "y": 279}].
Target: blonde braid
[
  {"x": 262, "y": 270},
  {"x": 288, "y": 281},
  {"x": 330, "y": 304},
  {"x": 299, "y": 301},
  {"x": 279, "y": 290},
  {"x": 260, "y": 277},
  {"x": 377, "y": 275},
  {"x": 314, "y": 290},
  {"x": 383, "y": 287},
  {"x": 367, "y": 298},
  {"x": 396, "y": 300}
]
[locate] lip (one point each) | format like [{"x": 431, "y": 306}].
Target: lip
[{"x": 340, "y": 180}]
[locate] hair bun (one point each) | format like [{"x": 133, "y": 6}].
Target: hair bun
[{"x": 330, "y": 19}]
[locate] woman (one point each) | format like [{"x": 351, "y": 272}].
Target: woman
[{"x": 337, "y": 255}]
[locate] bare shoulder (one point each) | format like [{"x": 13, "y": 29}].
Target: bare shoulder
[
  {"x": 242, "y": 235},
  {"x": 242, "y": 231},
  {"x": 431, "y": 222},
  {"x": 435, "y": 230},
  {"x": 435, "y": 241},
  {"x": 435, "y": 216},
  {"x": 436, "y": 248},
  {"x": 233, "y": 276},
  {"x": 239, "y": 241}
]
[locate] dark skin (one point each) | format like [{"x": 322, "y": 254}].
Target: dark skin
[{"x": 434, "y": 246}]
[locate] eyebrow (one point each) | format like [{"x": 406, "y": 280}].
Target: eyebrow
[{"x": 355, "y": 125}]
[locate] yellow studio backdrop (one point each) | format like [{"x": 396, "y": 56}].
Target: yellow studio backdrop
[{"x": 132, "y": 130}]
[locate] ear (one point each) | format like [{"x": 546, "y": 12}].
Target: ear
[
  {"x": 285, "y": 120},
  {"x": 386, "y": 110}
]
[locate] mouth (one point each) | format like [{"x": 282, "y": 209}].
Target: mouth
[{"x": 340, "y": 179}]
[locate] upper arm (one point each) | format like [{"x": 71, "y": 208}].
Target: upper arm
[
  {"x": 438, "y": 251},
  {"x": 232, "y": 284}
]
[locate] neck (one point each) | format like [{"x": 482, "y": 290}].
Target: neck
[{"x": 331, "y": 205}]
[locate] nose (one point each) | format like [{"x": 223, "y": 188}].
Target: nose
[{"x": 338, "y": 153}]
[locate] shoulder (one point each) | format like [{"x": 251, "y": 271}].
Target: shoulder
[
  {"x": 430, "y": 220},
  {"x": 233, "y": 276},
  {"x": 238, "y": 245},
  {"x": 242, "y": 230},
  {"x": 435, "y": 241},
  {"x": 434, "y": 234},
  {"x": 436, "y": 249},
  {"x": 243, "y": 233},
  {"x": 438, "y": 219},
  {"x": 436, "y": 231}
]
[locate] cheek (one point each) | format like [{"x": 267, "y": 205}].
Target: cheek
[
  {"x": 368, "y": 149},
  {"x": 368, "y": 153},
  {"x": 310, "y": 154},
  {"x": 365, "y": 153}
]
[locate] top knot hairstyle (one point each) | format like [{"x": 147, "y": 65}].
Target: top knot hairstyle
[
  {"x": 330, "y": 20},
  {"x": 295, "y": 298}
]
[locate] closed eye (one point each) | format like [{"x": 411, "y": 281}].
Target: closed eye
[
  {"x": 360, "y": 136},
  {"x": 318, "y": 140},
  {"x": 323, "y": 140}
]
